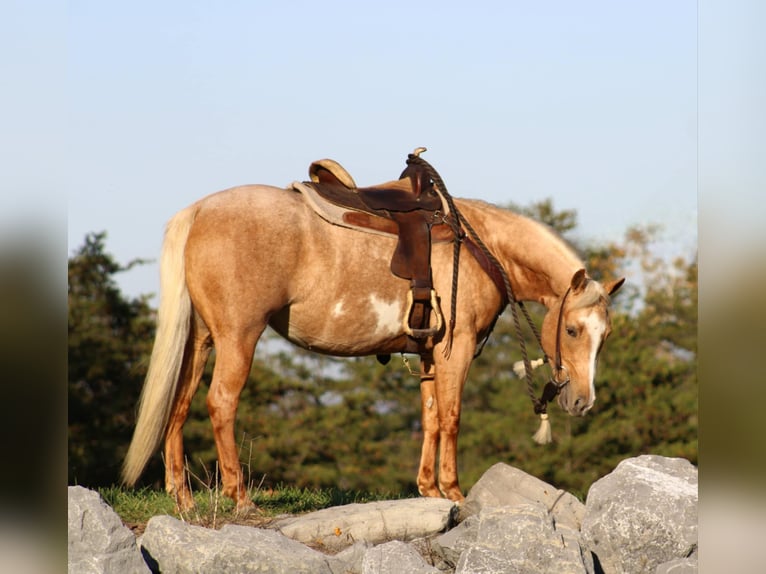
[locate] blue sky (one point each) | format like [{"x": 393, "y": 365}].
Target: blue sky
[{"x": 593, "y": 104}]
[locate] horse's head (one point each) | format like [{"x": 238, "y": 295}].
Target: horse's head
[{"x": 574, "y": 330}]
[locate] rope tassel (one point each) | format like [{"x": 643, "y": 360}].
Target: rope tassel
[
  {"x": 520, "y": 370},
  {"x": 543, "y": 434}
]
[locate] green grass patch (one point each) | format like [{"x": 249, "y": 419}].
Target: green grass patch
[{"x": 136, "y": 506}]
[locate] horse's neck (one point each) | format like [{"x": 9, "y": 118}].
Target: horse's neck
[{"x": 540, "y": 264}]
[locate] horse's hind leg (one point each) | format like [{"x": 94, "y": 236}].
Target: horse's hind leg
[
  {"x": 195, "y": 357},
  {"x": 430, "y": 421},
  {"x": 234, "y": 356}
]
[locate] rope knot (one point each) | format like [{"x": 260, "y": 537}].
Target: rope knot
[{"x": 550, "y": 392}]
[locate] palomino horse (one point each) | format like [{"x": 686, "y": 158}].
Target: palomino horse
[{"x": 241, "y": 259}]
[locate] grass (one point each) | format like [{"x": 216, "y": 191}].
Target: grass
[{"x": 213, "y": 510}]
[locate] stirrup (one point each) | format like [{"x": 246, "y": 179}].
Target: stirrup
[{"x": 423, "y": 333}]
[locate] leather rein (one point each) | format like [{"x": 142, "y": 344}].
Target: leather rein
[{"x": 553, "y": 386}]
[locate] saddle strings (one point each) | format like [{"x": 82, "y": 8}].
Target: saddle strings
[{"x": 457, "y": 222}]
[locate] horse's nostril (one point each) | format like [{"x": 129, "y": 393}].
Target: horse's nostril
[{"x": 580, "y": 405}]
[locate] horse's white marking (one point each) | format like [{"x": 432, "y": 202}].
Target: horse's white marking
[
  {"x": 388, "y": 315},
  {"x": 429, "y": 402},
  {"x": 594, "y": 325},
  {"x": 337, "y": 310}
]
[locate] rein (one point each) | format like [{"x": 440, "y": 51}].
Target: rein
[{"x": 457, "y": 222}]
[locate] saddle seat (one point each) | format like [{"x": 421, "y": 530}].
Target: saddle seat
[{"x": 412, "y": 191}]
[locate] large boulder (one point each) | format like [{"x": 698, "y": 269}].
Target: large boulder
[
  {"x": 336, "y": 528},
  {"x": 504, "y": 485},
  {"x": 170, "y": 545},
  {"x": 98, "y": 541},
  {"x": 643, "y": 514},
  {"x": 522, "y": 539}
]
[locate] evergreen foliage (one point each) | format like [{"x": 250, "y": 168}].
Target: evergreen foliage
[
  {"x": 109, "y": 342},
  {"x": 311, "y": 421}
]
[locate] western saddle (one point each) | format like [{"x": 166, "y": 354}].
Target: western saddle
[{"x": 411, "y": 208}]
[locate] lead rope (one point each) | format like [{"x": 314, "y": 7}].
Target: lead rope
[
  {"x": 457, "y": 221},
  {"x": 543, "y": 434}
]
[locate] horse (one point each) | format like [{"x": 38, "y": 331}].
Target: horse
[{"x": 254, "y": 256}]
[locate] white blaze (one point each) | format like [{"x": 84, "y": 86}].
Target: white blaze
[{"x": 594, "y": 325}]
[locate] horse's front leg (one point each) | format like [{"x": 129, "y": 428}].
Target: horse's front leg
[
  {"x": 450, "y": 378},
  {"x": 430, "y": 422}
]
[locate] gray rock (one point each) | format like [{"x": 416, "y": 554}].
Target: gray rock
[
  {"x": 395, "y": 558},
  {"x": 504, "y": 485},
  {"x": 427, "y": 548},
  {"x": 450, "y": 545},
  {"x": 642, "y": 514},
  {"x": 640, "y": 518},
  {"x": 349, "y": 561},
  {"x": 680, "y": 566},
  {"x": 334, "y": 529},
  {"x": 170, "y": 545},
  {"x": 523, "y": 539},
  {"x": 98, "y": 541}
]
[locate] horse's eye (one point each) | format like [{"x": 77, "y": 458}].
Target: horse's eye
[{"x": 571, "y": 331}]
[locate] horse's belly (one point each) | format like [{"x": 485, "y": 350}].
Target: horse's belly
[{"x": 349, "y": 325}]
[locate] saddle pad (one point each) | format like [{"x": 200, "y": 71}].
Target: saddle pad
[
  {"x": 345, "y": 216},
  {"x": 360, "y": 219}
]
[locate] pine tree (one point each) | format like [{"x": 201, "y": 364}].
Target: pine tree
[{"x": 110, "y": 338}]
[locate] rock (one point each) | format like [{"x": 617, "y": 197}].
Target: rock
[
  {"x": 170, "y": 545},
  {"x": 394, "y": 558},
  {"x": 98, "y": 540},
  {"x": 642, "y": 517},
  {"x": 681, "y": 566},
  {"x": 349, "y": 561},
  {"x": 504, "y": 485},
  {"x": 334, "y": 529},
  {"x": 450, "y": 545},
  {"x": 643, "y": 514},
  {"x": 523, "y": 539},
  {"x": 426, "y": 547}
]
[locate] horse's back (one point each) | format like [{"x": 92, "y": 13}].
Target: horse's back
[{"x": 249, "y": 201}]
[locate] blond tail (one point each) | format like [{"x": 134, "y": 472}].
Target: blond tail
[{"x": 173, "y": 324}]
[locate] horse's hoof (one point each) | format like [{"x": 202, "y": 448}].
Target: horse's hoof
[
  {"x": 454, "y": 494},
  {"x": 185, "y": 503},
  {"x": 429, "y": 492}
]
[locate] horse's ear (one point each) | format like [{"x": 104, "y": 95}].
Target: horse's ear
[
  {"x": 578, "y": 280},
  {"x": 613, "y": 286}
]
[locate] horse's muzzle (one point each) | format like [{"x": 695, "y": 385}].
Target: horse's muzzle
[{"x": 574, "y": 403}]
